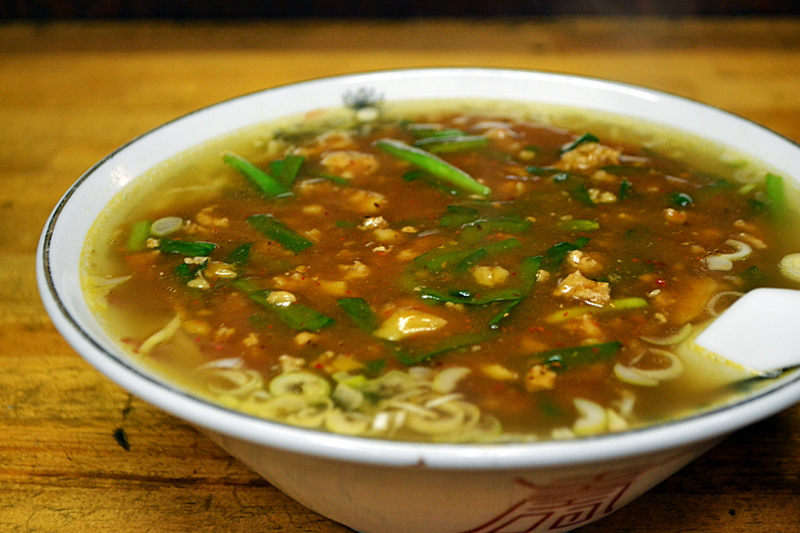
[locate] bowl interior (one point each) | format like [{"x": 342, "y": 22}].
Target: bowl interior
[{"x": 58, "y": 260}]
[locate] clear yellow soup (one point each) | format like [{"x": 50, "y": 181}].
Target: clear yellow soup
[{"x": 457, "y": 275}]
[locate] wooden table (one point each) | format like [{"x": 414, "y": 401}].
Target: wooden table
[{"x": 72, "y": 92}]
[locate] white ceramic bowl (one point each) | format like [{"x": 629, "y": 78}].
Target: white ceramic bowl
[{"x": 380, "y": 486}]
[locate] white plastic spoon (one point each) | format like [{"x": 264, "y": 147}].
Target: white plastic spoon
[{"x": 760, "y": 331}]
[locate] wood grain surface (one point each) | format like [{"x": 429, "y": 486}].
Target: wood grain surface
[{"x": 72, "y": 92}]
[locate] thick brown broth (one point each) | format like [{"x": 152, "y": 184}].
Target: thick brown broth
[{"x": 428, "y": 311}]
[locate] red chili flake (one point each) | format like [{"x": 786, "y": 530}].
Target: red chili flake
[{"x": 661, "y": 282}]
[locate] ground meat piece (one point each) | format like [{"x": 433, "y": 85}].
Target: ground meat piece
[
  {"x": 577, "y": 287},
  {"x": 588, "y": 156}
]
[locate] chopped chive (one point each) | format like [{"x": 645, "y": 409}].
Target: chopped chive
[
  {"x": 291, "y": 167},
  {"x": 528, "y": 270},
  {"x": 452, "y": 343},
  {"x": 556, "y": 254},
  {"x": 625, "y": 189},
  {"x": 186, "y": 273},
  {"x": 578, "y": 225},
  {"x": 471, "y": 260},
  {"x": 562, "y": 358},
  {"x": 680, "y": 199},
  {"x": 466, "y": 297},
  {"x": 335, "y": 179},
  {"x": 275, "y": 229},
  {"x": 359, "y": 312},
  {"x": 458, "y": 215},
  {"x": 754, "y": 277},
  {"x": 585, "y": 138},
  {"x": 137, "y": 239},
  {"x": 240, "y": 254},
  {"x": 433, "y": 165},
  {"x": 268, "y": 185},
  {"x": 187, "y": 248},
  {"x": 581, "y": 193}
]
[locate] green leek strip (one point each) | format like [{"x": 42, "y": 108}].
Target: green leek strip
[
  {"x": 424, "y": 131},
  {"x": 239, "y": 255},
  {"x": 290, "y": 169},
  {"x": 556, "y": 254},
  {"x": 268, "y": 185},
  {"x": 439, "y": 260},
  {"x": 335, "y": 179},
  {"x": 419, "y": 174},
  {"x": 620, "y": 304},
  {"x": 475, "y": 230},
  {"x": 625, "y": 170},
  {"x": 434, "y": 165},
  {"x": 578, "y": 225},
  {"x": 680, "y": 199},
  {"x": 585, "y": 138},
  {"x": 137, "y": 239},
  {"x": 186, "y": 273},
  {"x": 472, "y": 259},
  {"x": 187, "y": 248},
  {"x": 359, "y": 312},
  {"x": 581, "y": 193},
  {"x": 455, "y": 342},
  {"x": 625, "y": 189},
  {"x": 528, "y": 271},
  {"x": 446, "y": 145},
  {"x": 277, "y": 230},
  {"x": 467, "y": 297},
  {"x": 563, "y": 358},
  {"x": 458, "y": 215},
  {"x": 297, "y": 316},
  {"x": 776, "y": 197}
]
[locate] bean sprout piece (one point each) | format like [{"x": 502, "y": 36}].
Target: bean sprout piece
[
  {"x": 631, "y": 376},
  {"x": 234, "y": 382},
  {"x": 562, "y": 434},
  {"x": 304, "y": 385},
  {"x": 161, "y": 336},
  {"x": 790, "y": 266},
  {"x": 311, "y": 415},
  {"x": 615, "y": 421},
  {"x": 669, "y": 340},
  {"x": 281, "y": 407},
  {"x": 254, "y": 402},
  {"x": 445, "y": 418},
  {"x": 346, "y": 423},
  {"x": 101, "y": 282},
  {"x": 650, "y": 377},
  {"x": 348, "y": 397},
  {"x": 725, "y": 261},
  {"x": 593, "y": 419},
  {"x": 447, "y": 380}
]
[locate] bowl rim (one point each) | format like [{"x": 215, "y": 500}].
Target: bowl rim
[{"x": 690, "y": 431}]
